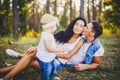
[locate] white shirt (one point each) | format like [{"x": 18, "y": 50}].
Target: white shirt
[
  {"x": 79, "y": 56},
  {"x": 42, "y": 53},
  {"x": 68, "y": 48}
]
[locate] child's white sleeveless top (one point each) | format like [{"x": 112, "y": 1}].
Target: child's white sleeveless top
[{"x": 42, "y": 53}]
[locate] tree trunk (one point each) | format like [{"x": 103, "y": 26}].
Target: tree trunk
[
  {"x": 55, "y": 7},
  {"x": 64, "y": 16},
  {"x": 100, "y": 10},
  {"x": 70, "y": 10},
  {"x": 48, "y": 6},
  {"x": 82, "y": 8},
  {"x": 88, "y": 12},
  {"x": 36, "y": 6},
  {"x": 94, "y": 10},
  {"x": 22, "y": 17},
  {"x": 15, "y": 18}
]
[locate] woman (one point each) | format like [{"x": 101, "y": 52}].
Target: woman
[{"x": 70, "y": 35}]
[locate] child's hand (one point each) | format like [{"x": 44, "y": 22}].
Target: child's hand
[{"x": 60, "y": 49}]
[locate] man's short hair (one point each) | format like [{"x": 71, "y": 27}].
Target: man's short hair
[{"x": 97, "y": 29}]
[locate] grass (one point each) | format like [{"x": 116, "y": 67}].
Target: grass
[{"x": 109, "y": 69}]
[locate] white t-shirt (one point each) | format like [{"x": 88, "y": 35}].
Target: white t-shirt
[
  {"x": 42, "y": 53},
  {"x": 79, "y": 56}
]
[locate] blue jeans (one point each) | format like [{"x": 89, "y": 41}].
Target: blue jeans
[{"x": 49, "y": 69}]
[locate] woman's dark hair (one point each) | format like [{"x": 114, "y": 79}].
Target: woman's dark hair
[{"x": 64, "y": 36}]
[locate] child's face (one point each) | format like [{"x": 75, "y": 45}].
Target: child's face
[{"x": 54, "y": 28}]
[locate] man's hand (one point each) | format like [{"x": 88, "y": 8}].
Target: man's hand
[
  {"x": 95, "y": 64},
  {"x": 80, "y": 67}
]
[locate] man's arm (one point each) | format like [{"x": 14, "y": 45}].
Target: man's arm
[
  {"x": 95, "y": 64},
  {"x": 72, "y": 52}
]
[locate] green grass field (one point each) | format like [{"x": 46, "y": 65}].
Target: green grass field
[{"x": 109, "y": 69}]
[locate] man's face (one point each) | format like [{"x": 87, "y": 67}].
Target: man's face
[{"x": 88, "y": 30}]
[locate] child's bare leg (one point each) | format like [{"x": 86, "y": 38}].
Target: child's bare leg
[{"x": 21, "y": 65}]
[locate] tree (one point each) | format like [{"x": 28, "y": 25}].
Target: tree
[
  {"x": 71, "y": 10},
  {"x": 82, "y": 8},
  {"x": 112, "y": 14},
  {"x": 48, "y": 6},
  {"x": 35, "y": 15},
  {"x": 64, "y": 17},
  {"x": 23, "y": 15},
  {"x": 5, "y": 18},
  {"x": 74, "y": 11},
  {"x": 93, "y": 10},
  {"x": 55, "y": 7},
  {"x": 100, "y": 10},
  {"x": 15, "y": 18},
  {"x": 88, "y": 11}
]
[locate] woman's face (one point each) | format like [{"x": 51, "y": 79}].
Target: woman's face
[{"x": 78, "y": 26}]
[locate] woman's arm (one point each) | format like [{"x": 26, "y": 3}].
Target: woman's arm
[
  {"x": 72, "y": 52},
  {"x": 95, "y": 64}
]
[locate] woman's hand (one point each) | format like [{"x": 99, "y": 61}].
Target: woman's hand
[{"x": 31, "y": 50}]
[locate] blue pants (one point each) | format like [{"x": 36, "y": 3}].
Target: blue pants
[{"x": 49, "y": 69}]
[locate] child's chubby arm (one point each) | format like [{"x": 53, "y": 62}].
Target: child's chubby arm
[{"x": 49, "y": 47}]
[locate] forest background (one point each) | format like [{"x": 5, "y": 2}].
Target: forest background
[{"x": 20, "y": 29}]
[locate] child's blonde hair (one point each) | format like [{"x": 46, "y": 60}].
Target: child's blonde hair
[{"x": 48, "y": 20}]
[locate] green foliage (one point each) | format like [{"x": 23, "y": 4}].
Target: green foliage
[
  {"x": 24, "y": 14},
  {"x": 112, "y": 14},
  {"x": 5, "y": 18},
  {"x": 59, "y": 28},
  {"x": 110, "y": 18},
  {"x": 64, "y": 21},
  {"x": 65, "y": 17},
  {"x": 7, "y": 39}
]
